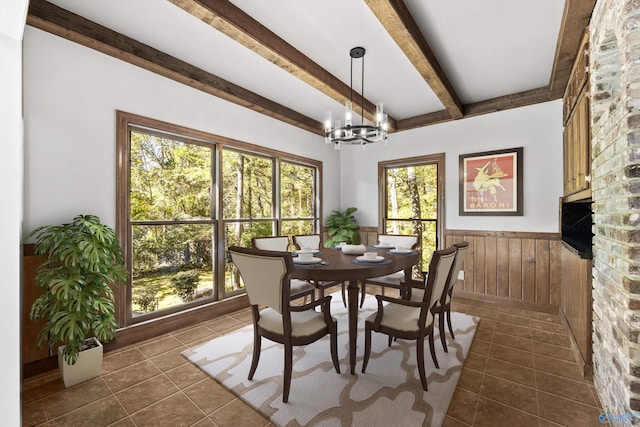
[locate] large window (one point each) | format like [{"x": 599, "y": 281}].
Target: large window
[
  {"x": 298, "y": 199},
  {"x": 184, "y": 197},
  {"x": 411, "y": 201},
  {"x": 250, "y": 195},
  {"x": 172, "y": 226}
]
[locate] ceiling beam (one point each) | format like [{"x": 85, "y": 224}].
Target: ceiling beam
[
  {"x": 575, "y": 19},
  {"x": 397, "y": 20},
  {"x": 422, "y": 120},
  {"x": 501, "y": 103},
  {"x": 55, "y": 20},
  {"x": 227, "y": 18},
  {"x": 507, "y": 102}
]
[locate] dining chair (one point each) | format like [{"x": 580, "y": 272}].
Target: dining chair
[
  {"x": 415, "y": 292},
  {"x": 266, "y": 276},
  {"x": 271, "y": 243},
  {"x": 299, "y": 288},
  {"x": 393, "y": 280},
  {"x": 313, "y": 241},
  {"x": 412, "y": 320}
]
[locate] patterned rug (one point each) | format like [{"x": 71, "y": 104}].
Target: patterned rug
[{"x": 389, "y": 393}]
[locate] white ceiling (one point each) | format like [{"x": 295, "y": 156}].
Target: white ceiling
[{"x": 487, "y": 48}]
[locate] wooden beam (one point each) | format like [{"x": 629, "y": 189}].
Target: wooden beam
[
  {"x": 227, "y": 18},
  {"x": 506, "y": 102},
  {"x": 575, "y": 19},
  {"x": 501, "y": 103},
  {"x": 396, "y": 18},
  {"x": 428, "y": 119},
  {"x": 55, "y": 20}
]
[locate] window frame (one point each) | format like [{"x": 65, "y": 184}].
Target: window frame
[
  {"x": 124, "y": 122},
  {"x": 429, "y": 159}
]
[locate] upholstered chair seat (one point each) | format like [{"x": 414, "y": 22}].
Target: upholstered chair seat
[
  {"x": 303, "y": 324},
  {"x": 402, "y": 318}
]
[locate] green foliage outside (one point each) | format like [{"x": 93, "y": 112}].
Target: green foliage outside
[
  {"x": 146, "y": 299},
  {"x": 412, "y": 206},
  {"x": 172, "y": 182},
  {"x": 171, "y": 188},
  {"x": 185, "y": 284}
]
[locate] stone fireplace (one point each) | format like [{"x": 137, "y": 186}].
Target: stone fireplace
[{"x": 615, "y": 111}]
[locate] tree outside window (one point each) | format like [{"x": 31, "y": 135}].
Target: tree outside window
[{"x": 411, "y": 197}]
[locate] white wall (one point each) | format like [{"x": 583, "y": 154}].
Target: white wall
[
  {"x": 537, "y": 128},
  {"x": 12, "y": 21},
  {"x": 71, "y": 95}
]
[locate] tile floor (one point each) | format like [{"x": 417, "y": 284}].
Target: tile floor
[{"x": 520, "y": 372}]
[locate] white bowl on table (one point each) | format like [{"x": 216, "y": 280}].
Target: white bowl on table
[{"x": 354, "y": 249}]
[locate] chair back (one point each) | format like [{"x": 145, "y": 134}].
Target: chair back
[
  {"x": 455, "y": 268},
  {"x": 307, "y": 241},
  {"x": 266, "y": 275},
  {"x": 439, "y": 271},
  {"x": 398, "y": 240},
  {"x": 272, "y": 243}
]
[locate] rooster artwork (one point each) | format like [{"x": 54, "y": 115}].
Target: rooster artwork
[
  {"x": 491, "y": 182},
  {"x": 488, "y": 179}
]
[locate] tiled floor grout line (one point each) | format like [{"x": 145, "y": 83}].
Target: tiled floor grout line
[{"x": 484, "y": 373}]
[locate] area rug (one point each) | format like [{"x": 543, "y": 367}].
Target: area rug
[{"x": 389, "y": 393}]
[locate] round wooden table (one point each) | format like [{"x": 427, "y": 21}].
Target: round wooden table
[{"x": 342, "y": 268}]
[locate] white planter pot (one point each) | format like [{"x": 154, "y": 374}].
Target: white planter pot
[
  {"x": 88, "y": 365},
  {"x": 354, "y": 249}
]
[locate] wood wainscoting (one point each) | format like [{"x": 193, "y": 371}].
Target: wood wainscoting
[{"x": 518, "y": 268}]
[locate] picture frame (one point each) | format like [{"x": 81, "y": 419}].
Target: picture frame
[{"x": 491, "y": 183}]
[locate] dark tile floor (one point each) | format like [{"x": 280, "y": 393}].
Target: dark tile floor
[{"x": 520, "y": 372}]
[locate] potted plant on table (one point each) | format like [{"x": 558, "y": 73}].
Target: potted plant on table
[
  {"x": 83, "y": 258},
  {"x": 343, "y": 229}
]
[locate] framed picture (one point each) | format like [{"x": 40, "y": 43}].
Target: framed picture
[{"x": 491, "y": 183}]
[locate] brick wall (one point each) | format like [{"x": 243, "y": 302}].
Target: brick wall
[{"x": 615, "y": 112}]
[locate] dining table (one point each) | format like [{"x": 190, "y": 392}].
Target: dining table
[{"x": 339, "y": 266}]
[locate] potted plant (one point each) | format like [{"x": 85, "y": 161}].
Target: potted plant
[
  {"x": 83, "y": 258},
  {"x": 342, "y": 227}
]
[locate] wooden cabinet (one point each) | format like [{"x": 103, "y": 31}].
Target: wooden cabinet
[
  {"x": 577, "y": 129},
  {"x": 576, "y": 306},
  {"x": 30, "y": 292}
]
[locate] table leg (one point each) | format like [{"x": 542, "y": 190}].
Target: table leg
[{"x": 352, "y": 290}]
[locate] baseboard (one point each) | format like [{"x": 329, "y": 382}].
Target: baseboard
[
  {"x": 149, "y": 329},
  {"x": 586, "y": 369},
  {"x": 505, "y": 302}
]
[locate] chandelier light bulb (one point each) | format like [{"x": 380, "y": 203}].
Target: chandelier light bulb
[
  {"x": 379, "y": 114},
  {"x": 348, "y": 114},
  {"x": 327, "y": 127}
]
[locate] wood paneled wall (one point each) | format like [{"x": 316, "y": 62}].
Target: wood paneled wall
[{"x": 521, "y": 267}]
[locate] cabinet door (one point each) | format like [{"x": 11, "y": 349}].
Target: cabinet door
[
  {"x": 582, "y": 135},
  {"x": 568, "y": 158}
]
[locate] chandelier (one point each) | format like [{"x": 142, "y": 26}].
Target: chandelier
[{"x": 351, "y": 134}]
